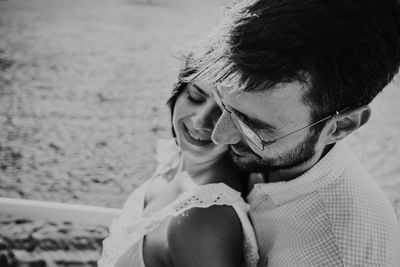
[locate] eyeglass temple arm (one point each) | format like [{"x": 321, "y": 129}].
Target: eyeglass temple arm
[{"x": 307, "y": 126}]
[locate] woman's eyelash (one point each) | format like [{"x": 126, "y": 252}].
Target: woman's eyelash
[{"x": 193, "y": 99}]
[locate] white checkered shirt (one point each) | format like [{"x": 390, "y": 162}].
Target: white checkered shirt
[{"x": 332, "y": 215}]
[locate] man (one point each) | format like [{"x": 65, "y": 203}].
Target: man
[{"x": 296, "y": 77}]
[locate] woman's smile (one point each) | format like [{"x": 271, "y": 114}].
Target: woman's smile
[
  {"x": 194, "y": 117},
  {"x": 196, "y": 138}
]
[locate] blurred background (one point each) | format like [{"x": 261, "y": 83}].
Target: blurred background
[{"x": 83, "y": 85}]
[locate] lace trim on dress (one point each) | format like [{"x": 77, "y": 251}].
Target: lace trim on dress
[
  {"x": 129, "y": 229},
  {"x": 125, "y": 233}
]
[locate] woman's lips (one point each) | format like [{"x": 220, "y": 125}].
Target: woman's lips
[{"x": 194, "y": 138}]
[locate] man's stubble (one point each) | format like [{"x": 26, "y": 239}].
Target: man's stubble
[{"x": 252, "y": 162}]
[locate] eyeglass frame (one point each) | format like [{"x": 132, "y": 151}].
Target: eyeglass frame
[{"x": 262, "y": 143}]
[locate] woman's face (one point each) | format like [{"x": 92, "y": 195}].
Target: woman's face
[{"x": 194, "y": 118}]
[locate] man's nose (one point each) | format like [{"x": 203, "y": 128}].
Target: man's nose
[{"x": 225, "y": 131}]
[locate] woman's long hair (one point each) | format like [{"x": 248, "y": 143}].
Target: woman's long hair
[{"x": 180, "y": 86}]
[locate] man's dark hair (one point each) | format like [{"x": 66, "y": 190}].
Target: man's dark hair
[{"x": 345, "y": 51}]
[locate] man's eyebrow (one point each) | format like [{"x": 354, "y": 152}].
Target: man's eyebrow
[
  {"x": 253, "y": 122},
  {"x": 201, "y": 91}
]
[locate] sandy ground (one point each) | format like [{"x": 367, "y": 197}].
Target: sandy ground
[{"x": 82, "y": 92}]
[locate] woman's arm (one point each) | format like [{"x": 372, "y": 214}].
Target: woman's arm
[{"x": 206, "y": 237}]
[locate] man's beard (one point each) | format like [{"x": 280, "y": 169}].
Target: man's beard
[{"x": 253, "y": 162}]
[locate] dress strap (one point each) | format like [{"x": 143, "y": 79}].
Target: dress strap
[{"x": 205, "y": 196}]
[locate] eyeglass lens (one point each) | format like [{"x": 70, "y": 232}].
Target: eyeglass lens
[{"x": 247, "y": 131}]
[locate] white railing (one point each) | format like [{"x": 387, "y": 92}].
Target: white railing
[{"x": 58, "y": 212}]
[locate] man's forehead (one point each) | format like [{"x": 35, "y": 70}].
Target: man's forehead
[
  {"x": 278, "y": 105},
  {"x": 294, "y": 91}
]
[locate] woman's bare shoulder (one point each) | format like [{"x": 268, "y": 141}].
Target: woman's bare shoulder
[{"x": 206, "y": 237}]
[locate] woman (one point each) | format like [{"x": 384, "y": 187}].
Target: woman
[{"x": 190, "y": 212}]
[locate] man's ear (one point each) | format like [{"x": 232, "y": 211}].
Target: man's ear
[{"x": 347, "y": 122}]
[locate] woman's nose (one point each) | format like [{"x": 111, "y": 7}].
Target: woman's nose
[{"x": 206, "y": 117}]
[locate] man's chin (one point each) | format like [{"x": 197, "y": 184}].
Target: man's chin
[
  {"x": 252, "y": 163},
  {"x": 247, "y": 162}
]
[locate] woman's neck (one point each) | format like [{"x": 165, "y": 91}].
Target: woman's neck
[
  {"x": 216, "y": 170},
  {"x": 198, "y": 167}
]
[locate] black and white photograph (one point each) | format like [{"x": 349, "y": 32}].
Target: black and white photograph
[{"x": 212, "y": 133}]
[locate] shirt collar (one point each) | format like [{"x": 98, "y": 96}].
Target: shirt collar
[{"x": 324, "y": 172}]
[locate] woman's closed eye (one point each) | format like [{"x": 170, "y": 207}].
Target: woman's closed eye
[{"x": 194, "y": 97}]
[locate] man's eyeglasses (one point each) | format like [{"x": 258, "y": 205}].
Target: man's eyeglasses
[{"x": 250, "y": 134}]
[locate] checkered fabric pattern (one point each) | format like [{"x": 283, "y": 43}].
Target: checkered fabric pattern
[{"x": 332, "y": 215}]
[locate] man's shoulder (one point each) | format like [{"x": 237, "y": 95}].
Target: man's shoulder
[{"x": 341, "y": 214}]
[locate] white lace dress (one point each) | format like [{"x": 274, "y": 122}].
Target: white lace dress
[{"x": 123, "y": 247}]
